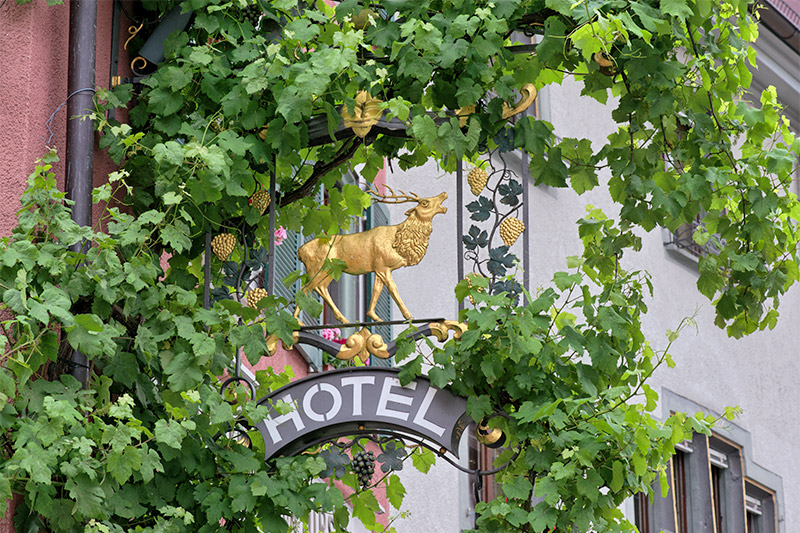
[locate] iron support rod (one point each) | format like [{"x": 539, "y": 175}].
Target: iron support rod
[
  {"x": 460, "y": 221},
  {"x": 526, "y": 207},
  {"x": 273, "y": 203},
  {"x": 207, "y": 272},
  {"x": 80, "y": 129},
  {"x": 364, "y": 324}
]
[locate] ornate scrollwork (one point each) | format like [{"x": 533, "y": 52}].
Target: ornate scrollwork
[
  {"x": 272, "y": 342},
  {"x": 528, "y": 92},
  {"x": 133, "y": 31},
  {"x": 440, "y": 329},
  {"x": 528, "y": 96},
  {"x": 138, "y": 64},
  {"x": 363, "y": 344}
]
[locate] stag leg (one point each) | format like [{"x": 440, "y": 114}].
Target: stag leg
[
  {"x": 377, "y": 288},
  {"x": 389, "y": 282},
  {"x": 322, "y": 290}
]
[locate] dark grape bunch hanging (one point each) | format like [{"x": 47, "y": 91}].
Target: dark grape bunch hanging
[
  {"x": 364, "y": 466},
  {"x": 252, "y": 13}
]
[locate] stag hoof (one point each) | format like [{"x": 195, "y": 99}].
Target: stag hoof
[{"x": 374, "y": 316}]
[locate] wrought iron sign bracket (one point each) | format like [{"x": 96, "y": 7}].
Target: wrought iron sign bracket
[{"x": 364, "y": 343}]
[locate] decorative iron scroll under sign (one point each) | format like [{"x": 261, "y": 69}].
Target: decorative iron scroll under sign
[{"x": 354, "y": 401}]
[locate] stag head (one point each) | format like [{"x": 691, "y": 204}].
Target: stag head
[
  {"x": 428, "y": 207},
  {"x": 425, "y": 209}
]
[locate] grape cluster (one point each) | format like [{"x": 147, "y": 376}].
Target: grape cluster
[
  {"x": 252, "y": 13},
  {"x": 364, "y": 467},
  {"x": 510, "y": 229},
  {"x": 477, "y": 179},
  {"x": 260, "y": 200},
  {"x": 222, "y": 245},
  {"x": 254, "y": 296}
]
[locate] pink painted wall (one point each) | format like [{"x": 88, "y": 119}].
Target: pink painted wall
[
  {"x": 33, "y": 82},
  {"x": 34, "y": 43}
]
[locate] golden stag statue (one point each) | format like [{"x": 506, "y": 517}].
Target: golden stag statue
[{"x": 379, "y": 250}]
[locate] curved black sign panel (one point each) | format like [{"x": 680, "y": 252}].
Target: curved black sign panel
[{"x": 361, "y": 400}]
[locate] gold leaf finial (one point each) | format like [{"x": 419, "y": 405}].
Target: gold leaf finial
[{"x": 366, "y": 114}]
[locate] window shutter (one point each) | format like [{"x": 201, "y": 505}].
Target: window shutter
[
  {"x": 314, "y": 354},
  {"x": 286, "y": 262},
  {"x": 377, "y": 215}
]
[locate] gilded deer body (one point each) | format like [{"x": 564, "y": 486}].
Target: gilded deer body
[{"x": 379, "y": 250}]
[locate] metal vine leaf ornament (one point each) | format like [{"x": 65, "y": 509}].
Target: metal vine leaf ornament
[
  {"x": 499, "y": 199},
  {"x": 379, "y": 250}
]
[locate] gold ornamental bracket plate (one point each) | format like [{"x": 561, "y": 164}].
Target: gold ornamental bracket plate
[
  {"x": 363, "y": 344},
  {"x": 441, "y": 329},
  {"x": 366, "y": 113}
]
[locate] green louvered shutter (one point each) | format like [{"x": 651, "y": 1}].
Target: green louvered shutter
[
  {"x": 286, "y": 262},
  {"x": 377, "y": 215},
  {"x": 314, "y": 354}
]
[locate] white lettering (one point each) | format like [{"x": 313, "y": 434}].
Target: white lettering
[
  {"x": 273, "y": 423},
  {"x": 333, "y": 411},
  {"x": 357, "y": 383},
  {"x": 388, "y": 396},
  {"x": 419, "y": 418}
]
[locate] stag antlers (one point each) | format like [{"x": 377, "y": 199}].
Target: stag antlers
[{"x": 386, "y": 198}]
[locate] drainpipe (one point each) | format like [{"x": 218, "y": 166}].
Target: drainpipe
[{"x": 80, "y": 133}]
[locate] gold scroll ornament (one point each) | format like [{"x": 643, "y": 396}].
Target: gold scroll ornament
[
  {"x": 528, "y": 92},
  {"x": 272, "y": 343},
  {"x": 366, "y": 113},
  {"x": 440, "y": 329},
  {"x": 363, "y": 344}
]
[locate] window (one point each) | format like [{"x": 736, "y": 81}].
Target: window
[
  {"x": 679, "y": 489},
  {"x": 286, "y": 262},
  {"x": 709, "y": 493},
  {"x": 378, "y": 215},
  {"x": 641, "y": 512},
  {"x": 760, "y": 508},
  {"x": 654, "y": 513},
  {"x": 682, "y": 239},
  {"x": 482, "y": 458}
]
